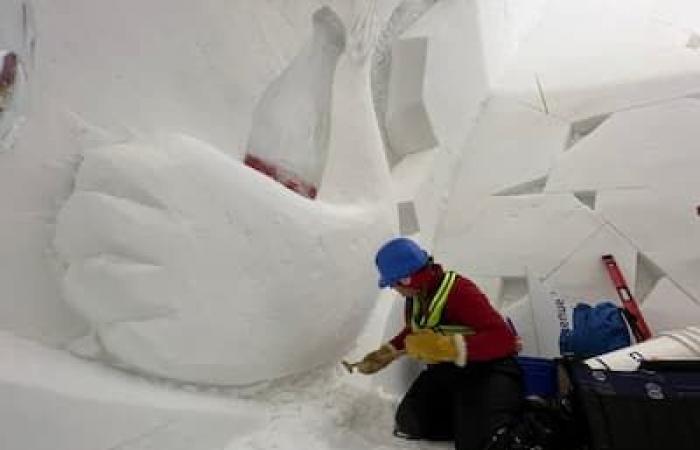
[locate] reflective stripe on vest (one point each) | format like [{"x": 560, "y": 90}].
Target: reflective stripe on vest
[{"x": 435, "y": 307}]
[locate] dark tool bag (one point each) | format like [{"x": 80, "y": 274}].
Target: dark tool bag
[{"x": 656, "y": 407}]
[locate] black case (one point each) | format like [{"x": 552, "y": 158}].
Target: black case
[{"x": 654, "y": 408}]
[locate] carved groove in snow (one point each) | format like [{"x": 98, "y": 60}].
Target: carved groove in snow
[
  {"x": 535, "y": 186},
  {"x": 584, "y": 127},
  {"x": 512, "y": 290},
  {"x": 407, "y": 122},
  {"x": 403, "y": 16},
  {"x": 408, "y": 218},
  {"x": 588, "y": 198},
  {"x": 693, "y": 41}
]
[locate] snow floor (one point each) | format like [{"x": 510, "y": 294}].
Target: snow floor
[{"x": 55, "y": 401}]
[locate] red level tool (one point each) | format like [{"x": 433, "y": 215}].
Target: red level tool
[{"x": 634, "y": 314}]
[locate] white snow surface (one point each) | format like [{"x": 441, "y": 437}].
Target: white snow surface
[
  {"x": 81, "y": 406},
  {"x": 129, "y": 221},
  {"x": 190, "y": 265}
]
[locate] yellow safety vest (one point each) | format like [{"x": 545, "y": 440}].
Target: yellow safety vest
[{"x": 431, "y": 320}]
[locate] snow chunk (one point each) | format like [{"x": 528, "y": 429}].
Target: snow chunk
[
  {"x": 511, "y": 148},
  {"x": 652, "y": 146},
  {"x": 667, "y": 307},
  {"x": 663, "y": 224},
  {"x": 512, "y": 233}
]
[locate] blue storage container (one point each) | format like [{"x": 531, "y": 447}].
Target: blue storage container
[{"x": 540, "y": 376}]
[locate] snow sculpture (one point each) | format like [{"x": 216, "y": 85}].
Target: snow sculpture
[
  {"x": 190, "y": 265},
  {"x": 290, "y": 132}
]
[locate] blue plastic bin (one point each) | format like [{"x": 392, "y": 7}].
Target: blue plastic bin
[{"x": 540, "y": 376}]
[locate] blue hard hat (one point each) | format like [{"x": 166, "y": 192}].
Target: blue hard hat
[{"x": 398, "y": 259}]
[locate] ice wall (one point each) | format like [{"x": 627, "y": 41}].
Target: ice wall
[{"x": 588, "y": 130}]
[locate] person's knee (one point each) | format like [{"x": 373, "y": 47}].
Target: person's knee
[{"x": 408, "y": 419}]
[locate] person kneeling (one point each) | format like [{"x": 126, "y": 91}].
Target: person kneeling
[{"x": 472, "y": 388}]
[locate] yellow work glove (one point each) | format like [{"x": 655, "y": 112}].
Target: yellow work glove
[
  {"x": 378, "y": 359},
  {"x": 431, "y": 347}
]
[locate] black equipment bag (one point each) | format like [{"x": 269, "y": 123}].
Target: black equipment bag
[{"x": 654, "y": 408}]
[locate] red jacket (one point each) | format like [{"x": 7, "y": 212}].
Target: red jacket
[{"x": 467, "y": 305}]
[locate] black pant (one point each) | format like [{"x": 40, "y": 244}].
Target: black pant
[{"x": 467, "y": 404}]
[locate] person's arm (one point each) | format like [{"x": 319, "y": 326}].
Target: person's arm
[
  {"x": 489, "y": 343},
  {"x": 492, "y": 338},
  {"x": 398, "y": 342}
]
